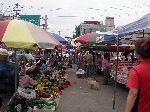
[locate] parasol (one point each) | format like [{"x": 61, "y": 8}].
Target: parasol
[
  {"x": 86, "y": 38},
  {"x": 59, "y": 38},
  {"x": 22, "y": 34},
  {"x": 96, "y": 37}
]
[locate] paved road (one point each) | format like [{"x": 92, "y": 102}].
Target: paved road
[{"x": 79, "y": 98}]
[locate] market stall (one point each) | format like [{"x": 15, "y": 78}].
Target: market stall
[
  {"x": 40, "y": 84},
  {"x": 21, "y": 34},
  {"x": 123, "y": 71},
  {"x": 40, "y": 93},
  {"x": 129, "y": 29}
]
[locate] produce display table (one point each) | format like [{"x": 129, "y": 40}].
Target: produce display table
[
  {"x": 123, "y": 71},
  {"x": 40, "y": 95}
]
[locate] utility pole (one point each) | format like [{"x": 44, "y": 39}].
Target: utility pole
[
  {"x": 45, "y": 25},
  {"x": 59, "y": 32},
  {"x": 46, "y": 22},
  {"x": 16, "y": 10}
]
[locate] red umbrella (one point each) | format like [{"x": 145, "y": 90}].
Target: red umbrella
[
  {"x": 84, "y": 38},
  {"x": 96, "y": 37}
]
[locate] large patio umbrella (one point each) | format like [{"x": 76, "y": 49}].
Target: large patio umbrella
[
  {"x": 86, "y": 38},
  {"x": 69, "y": 46},
  {"x": 95, "y": 37},
  {"x": 22, "y": 34},
  {"x": 59, "y": 38}
]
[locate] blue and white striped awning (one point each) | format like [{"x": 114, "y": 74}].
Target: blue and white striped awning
[
  {"x": 131, "y": 28},
  {"x": 106, "y": 36}
]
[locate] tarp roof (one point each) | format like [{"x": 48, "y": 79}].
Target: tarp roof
[
  {"x": 59, "y": 38},
  {"x": 140, "y": 24}
]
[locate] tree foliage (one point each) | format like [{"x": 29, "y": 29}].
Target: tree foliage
[{"x": 77, "y": 31}]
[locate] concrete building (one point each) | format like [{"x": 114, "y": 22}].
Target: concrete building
[
  {"x": 109, "y": 22},
  {"x": 90, "y": 26},
  {"x": 93, "y": 26}
]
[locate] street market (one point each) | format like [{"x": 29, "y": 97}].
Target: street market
[{"x": 98, "y": 68}]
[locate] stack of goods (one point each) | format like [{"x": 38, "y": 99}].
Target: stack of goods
[
  {"x": 123, "y": 72},
  {"x": 41, "y": 93}
]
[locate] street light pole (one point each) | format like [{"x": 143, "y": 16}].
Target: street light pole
[
  {"x": 16, "y": 10},
  {"x": 46, "y": 22},
  {"x": 59, "y": 32},
  {"x": 45, "y": 25}
]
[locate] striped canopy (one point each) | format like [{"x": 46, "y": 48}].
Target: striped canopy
[
  {"x": 22, "y": 34},
  {"x": 136, "y": 26},
  {"x": 96, "y": 37}
]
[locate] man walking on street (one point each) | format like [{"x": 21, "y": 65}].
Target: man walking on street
[{"x": 89, "y": 64}]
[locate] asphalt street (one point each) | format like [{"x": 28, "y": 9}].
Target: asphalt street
[{"x": 80, "y": 98}]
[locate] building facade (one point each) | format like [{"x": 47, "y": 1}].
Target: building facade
[
  {"x": 109, "y": 22},
  {"x": 93, "y": 26}
]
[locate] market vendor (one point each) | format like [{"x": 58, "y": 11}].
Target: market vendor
[
  {"x": 34, "y": 69},
  {"x": 2, "y": 45},
  {"x": 126, "y": 53},
  {"x": 29, "y": 55},
  {"x": 132, "y": 54},
  {"x": 35, "y": 48},
  {"x": 52, "y": 61}
]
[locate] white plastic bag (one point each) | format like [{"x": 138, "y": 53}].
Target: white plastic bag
[{"x": 80, "y": 71}]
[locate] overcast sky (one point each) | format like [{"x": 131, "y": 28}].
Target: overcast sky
[{"x": 63, "y": 15}]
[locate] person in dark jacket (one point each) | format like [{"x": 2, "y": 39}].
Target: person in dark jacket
[
  {"x": 7, "y": 72},
  {"x": 1, "y": 102}
]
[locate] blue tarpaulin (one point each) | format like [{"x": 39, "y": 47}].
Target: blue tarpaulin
[
  {"x": 70, "y": 47},
  {"x": 129, "y": 29},
  {"x": 135, "y": 26},
  {"x": 109, "y": 37},
  {"x": 59, "y": 38}
]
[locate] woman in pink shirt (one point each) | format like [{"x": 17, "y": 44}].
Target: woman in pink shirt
[{"x": 106, "y": 68}]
